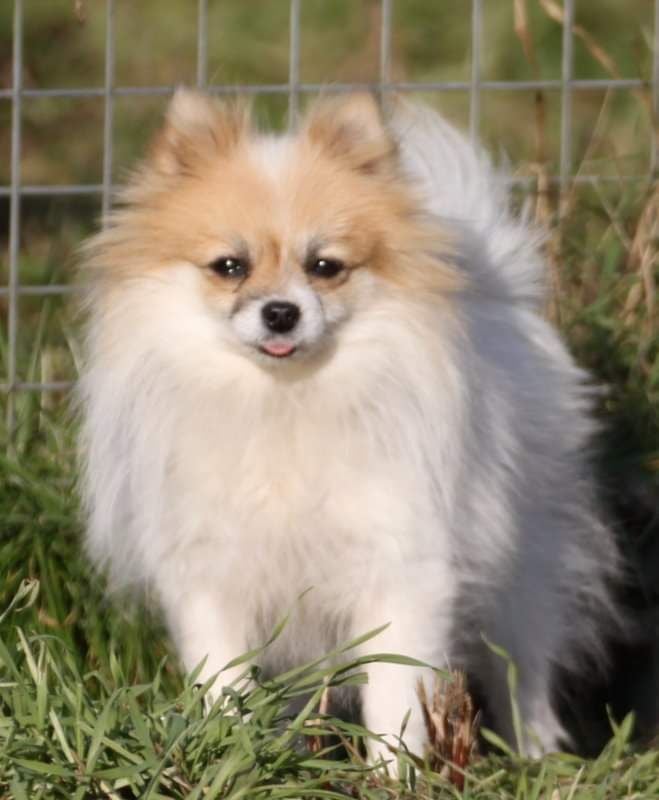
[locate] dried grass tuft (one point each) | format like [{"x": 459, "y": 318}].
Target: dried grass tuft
[
  {"x": 452, "y": 725},
  {"x": 315, "y": 743}
]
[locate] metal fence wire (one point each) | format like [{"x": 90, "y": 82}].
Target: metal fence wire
[{"x": 567, "y": 85}]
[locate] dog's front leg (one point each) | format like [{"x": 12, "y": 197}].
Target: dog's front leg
[
  {"x": 203, "y": 628},
  {"x": 417, "y": 628}
]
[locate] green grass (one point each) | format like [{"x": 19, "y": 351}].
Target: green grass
[
  {"x": 92, "y": 703},
  {"x": 70, "y": 730}
]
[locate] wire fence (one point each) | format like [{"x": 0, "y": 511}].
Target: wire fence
[{"x": 476, "y": 86}]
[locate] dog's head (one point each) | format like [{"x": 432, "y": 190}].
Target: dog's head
[{"x": 280, "y": 242}]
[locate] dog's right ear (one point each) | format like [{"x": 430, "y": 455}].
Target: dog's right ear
[
  {"x": 197, "y": 127},
  {"x": 352, "y": 129}
]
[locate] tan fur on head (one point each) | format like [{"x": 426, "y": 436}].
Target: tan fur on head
[
  {"x": 352, "y": 130},
  {"x": 213, "y": 185},
  {"x": 197, "y": 128}
]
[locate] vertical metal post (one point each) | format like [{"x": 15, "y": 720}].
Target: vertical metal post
[
  {"x": 202, "y": 44},
  {"x": 654, "y": 144},
  {"x": 108, "y": 93},
  {"x": 14, "y": 217},
  {"x": 566, "y": 101},
  {"x": 385, "y": 46},
  {"x": 294, "y": 62},
  {"x": 475, "y": 91}
]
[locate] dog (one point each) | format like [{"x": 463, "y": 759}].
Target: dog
[{"x": 318, "y": 361}]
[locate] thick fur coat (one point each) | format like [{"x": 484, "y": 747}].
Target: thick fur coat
[{"x": 413, "y": 450}]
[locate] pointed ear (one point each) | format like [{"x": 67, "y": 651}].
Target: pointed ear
[
  {"x": 352, "y": 129},
  {"x": 197, "y": 127}
]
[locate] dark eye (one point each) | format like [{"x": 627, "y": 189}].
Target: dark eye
[
  {"x": 325, "y": 267},
  {"x": 229, "y": 267}
]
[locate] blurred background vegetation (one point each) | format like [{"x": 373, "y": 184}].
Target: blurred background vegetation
[
  {"x": 602, "y": 246},
  {"x": 248, "y": 43}
]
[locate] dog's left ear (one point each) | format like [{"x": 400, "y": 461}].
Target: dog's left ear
[
  {"x": 196, "y": 127},
  {"x": 352, "y": 129}
]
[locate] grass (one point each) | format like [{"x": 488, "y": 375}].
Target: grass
[
  {"x": 72, "y": 731},
  {"x": 92, "y": 703}
]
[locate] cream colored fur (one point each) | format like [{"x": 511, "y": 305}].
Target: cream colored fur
[{"x": 423, "y": 463}]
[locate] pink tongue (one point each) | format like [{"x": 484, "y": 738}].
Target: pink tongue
[{"x": 278, "y": 348}]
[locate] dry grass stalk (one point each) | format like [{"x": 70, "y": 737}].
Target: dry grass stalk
[
  {"x": 315, "y": 742},
  {"x": 555, "y": 12},
  {"x": 80, "y": 11},
  {"x": 545, "y": 217},
  {"x": 452, "y": 726},
  {"x": 643, "y": 250},
  {"x": 523, "y": 32},
  {"x": 544, "y": 212},
  {"x": 643, "y": 260}
]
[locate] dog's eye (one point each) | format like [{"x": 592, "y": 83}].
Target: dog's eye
[
  {"x": 229, "y": 267},
  {"x": 325, "y": 267}
]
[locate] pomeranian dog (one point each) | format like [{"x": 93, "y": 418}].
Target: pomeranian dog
[{"x": 318, "y": 361}]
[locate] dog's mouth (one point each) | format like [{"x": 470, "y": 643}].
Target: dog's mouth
[{"x": 278, "y": 348}]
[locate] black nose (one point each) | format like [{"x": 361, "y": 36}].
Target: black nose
[{"x": 280, "y": 316}]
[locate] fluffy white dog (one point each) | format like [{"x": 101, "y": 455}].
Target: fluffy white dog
[{"x": 319, "y": 360}]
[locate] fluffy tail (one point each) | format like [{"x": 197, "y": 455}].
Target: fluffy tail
[{"x": 460, "y": 186}]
